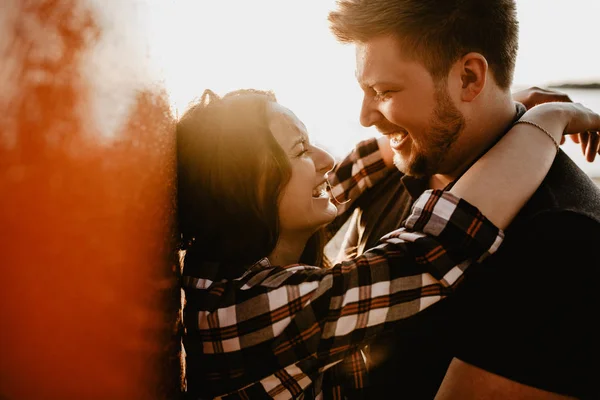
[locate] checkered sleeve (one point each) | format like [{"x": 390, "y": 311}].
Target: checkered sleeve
[
  {"x": 413, "y": 268},
  {"x": 360, "y": 170},
  {"x": 276, "y": 330}
]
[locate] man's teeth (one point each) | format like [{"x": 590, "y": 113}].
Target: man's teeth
[
  {"x": 396, "y": 138},
  {"x": 320, "y": 191}
]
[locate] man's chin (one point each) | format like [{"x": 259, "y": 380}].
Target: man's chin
[
  {"x": 399, "y": 163},
  {"x": 414, "y": 166}
]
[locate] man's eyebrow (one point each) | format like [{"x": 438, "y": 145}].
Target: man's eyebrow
[
  {"x": 385, "y": 83},
  {"x": 370, "y": 84},
  {"x": 373, "y": 84}
]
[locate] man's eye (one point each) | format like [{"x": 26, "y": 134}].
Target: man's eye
[{"x": 384, "y": 95}]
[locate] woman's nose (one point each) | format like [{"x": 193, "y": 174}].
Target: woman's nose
[{"x": 323, "y": 160}]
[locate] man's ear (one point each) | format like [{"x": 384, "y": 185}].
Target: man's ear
[{"x": 473, "y": 68}]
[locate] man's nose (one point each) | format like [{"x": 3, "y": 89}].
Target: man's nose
[{"x": 369, "y": 114}]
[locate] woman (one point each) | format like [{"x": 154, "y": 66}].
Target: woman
[{"x": 263, "y": 318}]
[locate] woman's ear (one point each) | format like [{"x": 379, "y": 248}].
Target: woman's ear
[{"x": 473, "y": 68}]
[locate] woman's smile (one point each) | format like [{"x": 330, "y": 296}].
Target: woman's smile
[{"x": 320, "y": 191}]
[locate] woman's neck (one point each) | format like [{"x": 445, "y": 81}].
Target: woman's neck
[{"x": 287, "y": 251}]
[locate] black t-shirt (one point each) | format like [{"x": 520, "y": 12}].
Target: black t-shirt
[
  {"x": 385, "y": 205},
  {"x": 527, "y": 313}
]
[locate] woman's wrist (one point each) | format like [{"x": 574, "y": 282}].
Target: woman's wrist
[
  {"x": 550, "y": 117},
  {"x": 541, "y": 129}
]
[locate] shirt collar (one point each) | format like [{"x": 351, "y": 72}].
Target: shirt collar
[{"x": 414, "y": 186}]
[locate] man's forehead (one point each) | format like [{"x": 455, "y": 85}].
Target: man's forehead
[
  {"x": 379, "y": 60},
  {"x": 378, "y": 74}
]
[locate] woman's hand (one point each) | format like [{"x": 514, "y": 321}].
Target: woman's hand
[
  {"x": 584, "y": 128},
  {"x": 590, "y": 143},
  {"x": 533, "y": 96},
  {"x": 579, "y": 122}
]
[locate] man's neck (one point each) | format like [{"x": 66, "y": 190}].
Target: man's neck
[{"x": 483, "y": 129}]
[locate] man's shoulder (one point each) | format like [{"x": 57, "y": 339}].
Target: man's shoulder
[
  {"x": 566, "y": 190},
  {"x": 534, "y": 297},
  {"x": 558, "y": 226}
]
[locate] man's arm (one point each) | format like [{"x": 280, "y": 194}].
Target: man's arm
[
  {"x": 533, "y": 96},
  {"x": 464, "y": 381}
]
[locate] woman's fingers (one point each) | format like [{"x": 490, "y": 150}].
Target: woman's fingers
[
  {"x": 583, "y": 128},
  {"x": 592, "y": 146},
  {"x": 575, "y": 138},
  {"x": 581, "y": 119},
  {"x": 583, "y": 141},
  {"x": 589, "y": 142}
]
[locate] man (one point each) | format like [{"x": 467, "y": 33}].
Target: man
[{"x": 436, "y": 77}]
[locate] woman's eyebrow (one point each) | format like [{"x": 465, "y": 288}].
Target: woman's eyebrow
[{"x": 297, "y": 141}]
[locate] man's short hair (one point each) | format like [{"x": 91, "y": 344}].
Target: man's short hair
[{"x": 436, "y": 32}]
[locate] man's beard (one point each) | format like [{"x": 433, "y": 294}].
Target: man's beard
[{"x": 446, "y": 124}]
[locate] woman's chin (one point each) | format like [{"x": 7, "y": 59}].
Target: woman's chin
[
  {"x": 330, "y": 213},
  {"x": 324, "y": 210}
]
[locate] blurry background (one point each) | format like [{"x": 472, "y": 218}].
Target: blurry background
[{"x": 285, "y": 46}]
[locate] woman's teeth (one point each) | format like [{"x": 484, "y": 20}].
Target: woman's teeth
[{"x": 320, "y": 191}]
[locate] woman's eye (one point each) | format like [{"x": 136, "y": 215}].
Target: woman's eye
[{"x": 303, "y": 150}]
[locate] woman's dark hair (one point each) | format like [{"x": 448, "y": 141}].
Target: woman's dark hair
[{"x": 231, "y": 171}]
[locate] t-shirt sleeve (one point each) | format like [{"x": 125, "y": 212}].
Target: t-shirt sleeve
[{"x": 531, "y": 314}]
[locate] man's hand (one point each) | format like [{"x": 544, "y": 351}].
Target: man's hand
[{"x": 534, "y": 95}]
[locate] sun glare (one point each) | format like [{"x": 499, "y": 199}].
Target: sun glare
[
  {"x": 285, "y": 46},
  {"x": 276, "y": 45}
]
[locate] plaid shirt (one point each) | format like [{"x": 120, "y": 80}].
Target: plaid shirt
[
  {"x": 275, "y": 330},
  {"x": 360, "y": 170}
]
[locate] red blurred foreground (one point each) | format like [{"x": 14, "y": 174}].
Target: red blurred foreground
[{"x": 86, "y": 218}]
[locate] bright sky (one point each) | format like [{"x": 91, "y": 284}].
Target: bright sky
[
  {"x": 558, "y": 40},
  {"x": 285, "y": 46}
]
